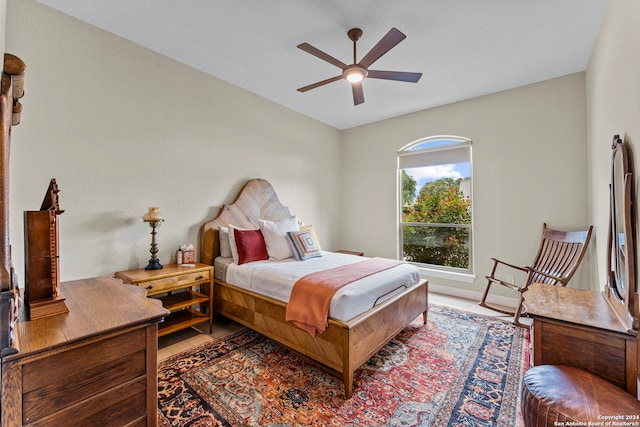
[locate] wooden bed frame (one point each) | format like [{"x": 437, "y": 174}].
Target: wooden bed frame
[{"x": 344, "y": 346}]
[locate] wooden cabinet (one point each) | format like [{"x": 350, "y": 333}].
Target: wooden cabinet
[
  {"x": 578, "y": 328},
  {"x": 175, "y": 285},
  {"x": 95, "y": 365}
]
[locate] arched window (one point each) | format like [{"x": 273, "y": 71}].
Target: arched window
[{"x": 435, "y": 203}]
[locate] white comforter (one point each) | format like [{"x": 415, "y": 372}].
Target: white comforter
[{"x": 276, "y": 279}]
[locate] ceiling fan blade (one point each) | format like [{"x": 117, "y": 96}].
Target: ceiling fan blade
[
  {"x": 392, "y": 38},
  {"x": 320, "y": 54},
  {"x": 358, "y": 94},
  {"x": 318, "y": 84},
  {"x": 395, "y": 75}
]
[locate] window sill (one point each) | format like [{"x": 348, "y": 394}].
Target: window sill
[{"x": 449, "y": 275}]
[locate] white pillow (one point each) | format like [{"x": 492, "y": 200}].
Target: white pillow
[
  {"x": 275, "y": 236},
  {"x": 225, "y": 246},
  {"x": 232, "y": 241}
]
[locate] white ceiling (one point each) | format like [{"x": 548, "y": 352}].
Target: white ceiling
[{"x": 464, "y": 48}]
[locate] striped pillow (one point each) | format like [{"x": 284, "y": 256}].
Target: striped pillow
[{"x": 304, "y": 244}]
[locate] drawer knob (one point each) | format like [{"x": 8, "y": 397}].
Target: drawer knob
[
  {"x": 149, "y": 287},
  {"x": 200, "y": 278}
]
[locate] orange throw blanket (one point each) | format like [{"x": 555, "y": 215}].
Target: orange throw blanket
[{"x": 308, "y": 306}]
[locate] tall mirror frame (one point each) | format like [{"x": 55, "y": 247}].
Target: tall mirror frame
[{"x": 621, "y": 278}]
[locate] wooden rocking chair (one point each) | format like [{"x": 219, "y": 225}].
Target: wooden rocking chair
[{"x": 558, "y": 258}]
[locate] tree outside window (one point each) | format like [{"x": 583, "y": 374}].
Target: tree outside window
[{"x": 436, "y": 220}]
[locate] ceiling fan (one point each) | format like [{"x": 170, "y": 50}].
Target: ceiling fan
[{"x": 358, "y": 71}]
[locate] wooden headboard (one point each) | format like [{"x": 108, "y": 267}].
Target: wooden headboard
[{"x": 256, "y": 200}]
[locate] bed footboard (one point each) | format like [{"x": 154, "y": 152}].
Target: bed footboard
[{"x": 344, "y": 346}]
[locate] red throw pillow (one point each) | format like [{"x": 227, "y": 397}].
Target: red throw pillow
[{"x": 250, "y": 245}]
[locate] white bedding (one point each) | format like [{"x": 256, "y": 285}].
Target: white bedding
[{"x": 275, "y": 279}]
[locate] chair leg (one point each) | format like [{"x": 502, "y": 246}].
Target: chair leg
[
  {"x": 516, "y": 315},
  {"x": 483, "y": 302}
]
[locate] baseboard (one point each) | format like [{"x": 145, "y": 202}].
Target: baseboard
[{"x": 473, "y": 295}]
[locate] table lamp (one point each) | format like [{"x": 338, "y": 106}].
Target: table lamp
[{"x": 154, "y": 218}]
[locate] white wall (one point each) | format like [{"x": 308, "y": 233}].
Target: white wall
[
  {"x": 122, "y": 128},
  {"x": 529, "y": 167},
  {"x": 613, "y": 94}
]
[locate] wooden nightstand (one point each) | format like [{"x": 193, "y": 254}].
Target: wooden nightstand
[
  {"x": 174, "y": 285},
  {"x": 343, "y": 251}
]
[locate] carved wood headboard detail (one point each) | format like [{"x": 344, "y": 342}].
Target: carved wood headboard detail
[
  {"x": 256, "y": 200},
  {"x": 11, "y": 90}
]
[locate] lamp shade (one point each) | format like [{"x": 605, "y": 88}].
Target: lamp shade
[{"x": 153, "y": 214}]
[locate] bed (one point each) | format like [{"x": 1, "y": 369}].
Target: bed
[{"x": 349, "y": 340}]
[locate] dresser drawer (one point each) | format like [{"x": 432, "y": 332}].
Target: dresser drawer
[
  {"x": 83, "y": 374},
  {"x": 166, "y": 284},
  {"x": 585, "y": 348}
]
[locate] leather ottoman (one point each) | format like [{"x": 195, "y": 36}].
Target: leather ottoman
[{"x": 566, "y": 396}]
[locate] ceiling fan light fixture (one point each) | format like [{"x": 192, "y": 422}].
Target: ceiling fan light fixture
[
  {"x": 358, "y": 71},
  {"x": 354, "y": 73}
]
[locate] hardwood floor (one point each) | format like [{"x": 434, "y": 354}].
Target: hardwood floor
[
  {"x": 188, "y": 338},
  {"x": 185, "y": 339}
]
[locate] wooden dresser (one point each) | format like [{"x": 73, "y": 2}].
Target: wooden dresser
[
  {"x": 95, "y": 365},
  {"x": 578, "y": 328}
]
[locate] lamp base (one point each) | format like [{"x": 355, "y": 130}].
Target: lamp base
[{"x": 154, "y": 264}]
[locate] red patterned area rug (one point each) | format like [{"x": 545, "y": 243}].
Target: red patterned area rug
[{"x": 460, "y": 369}]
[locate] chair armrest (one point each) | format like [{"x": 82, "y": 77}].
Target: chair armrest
[{"x": 497, "y": 261}]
